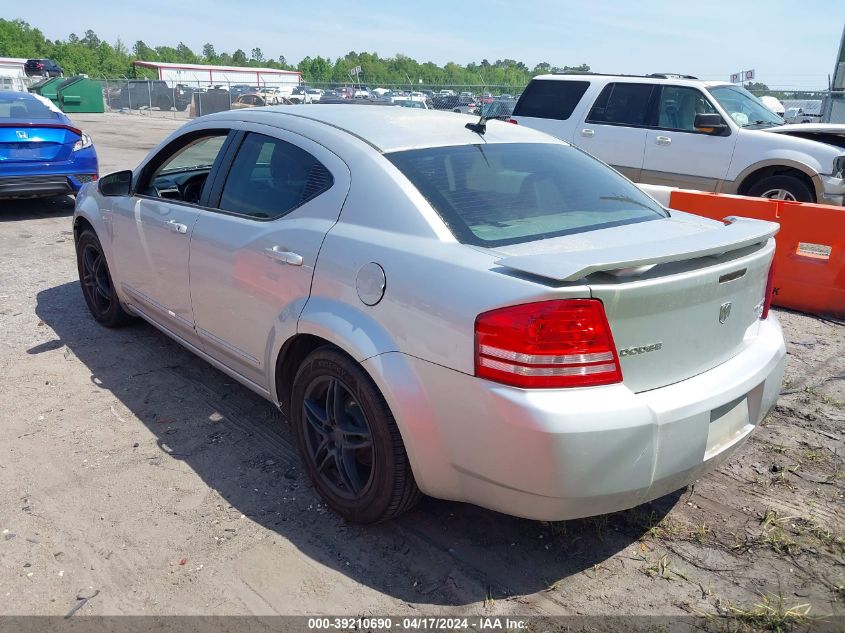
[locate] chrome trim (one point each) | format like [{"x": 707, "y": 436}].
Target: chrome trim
[
  {"x": 540, "y": 359},
  {"x": 582, "y": 370}
]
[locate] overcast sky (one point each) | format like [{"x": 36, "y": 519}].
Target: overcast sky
[{"x": 791, "y": 44}]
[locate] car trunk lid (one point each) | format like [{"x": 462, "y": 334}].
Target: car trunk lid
[
  {"x": 681, "y": 297},
  {"x": 24, "y": 141}
]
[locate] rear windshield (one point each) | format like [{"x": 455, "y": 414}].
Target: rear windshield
[
  {"x": 12, "y": 107},
  {"x": 507, "y": 193}
]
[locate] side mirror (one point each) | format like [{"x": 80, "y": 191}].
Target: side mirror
[
  {"x": 710, "y": 123},
  {"x": 116, "y": 184}
]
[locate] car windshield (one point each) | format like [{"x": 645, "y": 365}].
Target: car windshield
[
  {"x": 14, "y": 107},
  {"x": 744, "y": 108},
  {"x": 506, "y": 193}
]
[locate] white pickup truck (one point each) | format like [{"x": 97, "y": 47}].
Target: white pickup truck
[{"x": 679, "y": 131}]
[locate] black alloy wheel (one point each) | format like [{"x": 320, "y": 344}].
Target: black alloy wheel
[
  {"x": 350, "y": 444},
  {"x": 97, "y": 286},
  {"x": 337, "y": 436}
]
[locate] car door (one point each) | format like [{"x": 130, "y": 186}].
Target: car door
[
  {"x": 152, "y": 229},
  {"x": 679, "y": 155},
  {"x": 614, "y": 129},
  {"x": 253, "y": 255}
]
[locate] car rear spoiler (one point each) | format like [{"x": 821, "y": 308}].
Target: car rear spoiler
[
  {"x": 573, "y": 265},
  {"x": 59, "y": 126}
]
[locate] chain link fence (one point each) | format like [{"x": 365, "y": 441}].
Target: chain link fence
[
  {"x": 160, "y": 98},
  {"x": 186, "y": 99}
]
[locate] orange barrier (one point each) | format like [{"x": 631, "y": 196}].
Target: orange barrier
[{"x": 806, "y": 278}]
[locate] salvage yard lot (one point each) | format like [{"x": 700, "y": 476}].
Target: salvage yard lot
[{"x": 131, "y": 468}]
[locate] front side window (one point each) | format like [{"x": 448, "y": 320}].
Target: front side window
[
  {"x": 678, "y": 106},
  {"x": 181, "y": 174},
  {"x": 623, "y": 104},
  {"x": 270, "y": 178},
  {"x": 744, "y": 108},
  {"x": 199, "y": 154},
  {"x": 507, "y": 193}
]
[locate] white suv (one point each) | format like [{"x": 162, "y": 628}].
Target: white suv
[{"x": 680, "y": 131}]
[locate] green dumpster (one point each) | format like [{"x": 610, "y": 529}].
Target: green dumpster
[
  {"x": 36, "y": 87},
  {"x": 81, "y": 94},
  {"x": 47, "y": 88}
]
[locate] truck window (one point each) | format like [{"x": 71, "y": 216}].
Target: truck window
[
  {"x": 623, "y": 104},
  {"x": 550, "y": 98}
]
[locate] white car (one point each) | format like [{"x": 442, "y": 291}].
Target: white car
[
  {"x": 305, "y": 94},
  {"x": 271, "y": 95},
  {"x": 683, "y": 132},
  {"x": 478, "y": 312}
]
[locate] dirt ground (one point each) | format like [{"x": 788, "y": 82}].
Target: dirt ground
[{"x": 131, "y": 468}]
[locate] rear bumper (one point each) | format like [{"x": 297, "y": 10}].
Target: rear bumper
[
  {"x": 563, "y": 454},
  {"x": 22, "y": 180},
  {"x": 38, "y": 186}
]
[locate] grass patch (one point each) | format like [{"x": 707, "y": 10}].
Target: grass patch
[
  {"x": 771, "y": 614},
  {"x": 775, "y": 535},
  {"x": 808, "y": 525},
  {"x": 814, "y": 456},
  {"x": 660, "y": 569}
]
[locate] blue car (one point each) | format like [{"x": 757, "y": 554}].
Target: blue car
[{"x": 41, "y": 152}]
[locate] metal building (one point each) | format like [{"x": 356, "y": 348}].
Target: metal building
[
  {"x": 12, "y": 75},
  {"x": 200, "y": 75}
]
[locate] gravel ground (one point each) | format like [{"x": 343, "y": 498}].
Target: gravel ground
[{"x": 131, "y": 468}]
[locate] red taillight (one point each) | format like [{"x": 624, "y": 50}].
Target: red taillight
[
  {"x": 550, "y": 344},
  {"x": 514, "y": 121},
  {"x": 770, "y": 288}
]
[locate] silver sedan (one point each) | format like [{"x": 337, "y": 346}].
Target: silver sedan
[{"x": 478, "y": 312}]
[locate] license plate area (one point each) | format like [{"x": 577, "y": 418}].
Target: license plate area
[{"x": 728, "y": 425}]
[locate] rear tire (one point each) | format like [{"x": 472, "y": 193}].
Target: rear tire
[
  {"x": 96, "y": 282},
  {"x": 348, "y": 439},
  {"x": 782, "y": 188}
]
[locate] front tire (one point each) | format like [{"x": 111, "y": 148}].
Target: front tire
[
  {"x": 348, "y": 439},
  {"x": 95, "y": 279},
  {"x": 784, "y": 187}
]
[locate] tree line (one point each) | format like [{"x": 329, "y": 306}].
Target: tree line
[{"x": 94, "y": 57}]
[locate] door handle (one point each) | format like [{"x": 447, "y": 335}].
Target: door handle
[
  {"x": 662, "y": 140},
  {"x": 588, "y": 132},
  {"x": 278, "y": 254},
  {"x": 177, "y": 227}
]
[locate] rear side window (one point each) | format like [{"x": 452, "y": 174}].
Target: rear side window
[
  {"x": 270, "y": 178},
  {"x": 550, "y": 98},
  {"x": 507, "y": 193},
  {"x": 623, "y": 104}
]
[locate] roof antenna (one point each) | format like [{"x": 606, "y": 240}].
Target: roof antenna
[{"x": 481, "y": 126}]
